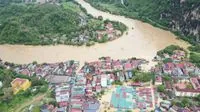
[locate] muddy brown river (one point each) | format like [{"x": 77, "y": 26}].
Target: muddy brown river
[{"x": 142, "y": 42}]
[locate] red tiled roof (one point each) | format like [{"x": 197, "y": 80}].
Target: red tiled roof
[
  {"x": 180, "y": 65},
  {"x": 128, "y": 66},
  {"x": 18, "y": 81},
  {"x": 76, "y": 110},
  {"x": 196, "y": 82},
  {"x": 63, "y": 104}
]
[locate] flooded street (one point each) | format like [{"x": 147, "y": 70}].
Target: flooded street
[{"x": 142, "y": 41}]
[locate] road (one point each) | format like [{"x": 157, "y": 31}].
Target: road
[{"x": 29, "y": 102}]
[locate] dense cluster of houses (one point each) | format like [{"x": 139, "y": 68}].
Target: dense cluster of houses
[
  {"x": 185, "y": 75},
  {"x": 127, "y": 97},
  {"x": 102, "y": 73},
  {"x": 79, "y": 93},
  {"x": 72, "y": 97},
  {"x": 167, "y": 106},
  {"x": 184, "y": 81},
  {"x": 187, "y": 87},
  {"x": 53, "y": 72},
  {"x": 178, "y": 66},
  {"x": 109, "y": 32},
  {"x": 145, "y": 98}
]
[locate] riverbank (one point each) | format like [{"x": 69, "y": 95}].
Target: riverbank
[
  {"x": 160, "y": 14},
  {"x": 142, "y": 41},
  {"x": 64, "y": 23}
]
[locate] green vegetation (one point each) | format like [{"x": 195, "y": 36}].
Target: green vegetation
[
  {"x": 36, "y": 109},
  {"x": 35, "y": 24},
  {"x": 195, "y": 48},
  {"x": 169, "y": 50},
  {"x": 195, "y": 58},
  {"x": 195, "y": 54},
  {"x": 183, "y": 102},
  {"x": 161, "y": 88},
  {"x": 116, "y": 82},
  {"x": 166, "y": 14},
  {"x": 8, "y": 101},
  {"x": 197, "y": 98},
  {"x": 167, "y": 60},
  {"x": 167, "y": 78},
  {"x": 99, "y": 95},
  {"x": 143, "y": 77},
  {"x": 187, "y": 101}
]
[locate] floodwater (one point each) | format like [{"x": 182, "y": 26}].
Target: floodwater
[{"x": 141, "y": 41}]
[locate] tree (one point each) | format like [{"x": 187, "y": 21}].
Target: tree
[
  {"x": 100, "y": 18},
  {"x": 128, "y": 110},
  {"x": 27, "y": 93},
  {"x": 185, "y": 102},
  {"x": 8, "y": 94},
  {"x": 166, "y": 78},
  {"x": 161, "y": 88},
  {"x": 167, "y": 60},
  {"x": 195, "y": 58},
  {"x": 143, "y": 77},
  {"x": 102, "y": 92},
  {"x": 43, "y": 88},
  {"x": 198, "y": 98}
]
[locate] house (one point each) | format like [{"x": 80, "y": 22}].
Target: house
[
  {"x": 104, "y": 80},
  {"x": 128, "y": 67},
  {"x": 130, "y": 74},
  {"x": 196, "y": 71},
  {"x": 165, "y": 104},
  {"x": 98, "y": 89},
  {"x": 178, "y": 55},
  {"x": 168, "y": 85},
  {"x": 174, "y": 108},
  {"x": 187, "y": 88},
  {"x": 56, "y": 79},
  {"x": 109, "y": 26},
  {"x": 62, "y": 94},
  {"x": 92, "y": 106},
  {"x": 19, "y": 84},
  {"x": 136, "y": 84},
  {"x": 75, "y": 110},
  {"x": 168, "y": 67},
  {"x": 47, "y": 108},
  {"x": 62, "y": 109},
  {"x": 25, "y": 72},
  {"x": 117, "y": 65},
  {"x": 195, "y": 82},
  {"x": 158, "y": 80}
]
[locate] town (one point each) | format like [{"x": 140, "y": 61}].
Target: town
[{"x": 115, "y": 84}]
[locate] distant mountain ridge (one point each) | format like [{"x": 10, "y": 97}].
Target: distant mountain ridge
[{"x": 179, "y": 16}]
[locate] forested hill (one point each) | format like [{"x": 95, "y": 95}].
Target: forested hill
[
  {"x": 30, "y": 24},
  {"x": 62, "y": 22},
  {"x": 180, "y": 16}
]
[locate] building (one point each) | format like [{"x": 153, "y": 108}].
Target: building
[
  {"x": 62, "y": 94},
  {"x": 19, "y": 84},
  {"x": 92, "y": 106},
  {"x": 195, "y": 82},
  {"x": 103, "y": 80},
  {"x": 158, "y": 80},
  {"x": 189, "y": 88},
  {"x": 58, "y": 79}
]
